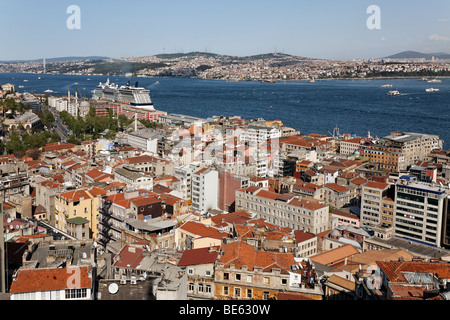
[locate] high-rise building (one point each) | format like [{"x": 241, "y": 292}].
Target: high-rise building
[
  {"x": 421, "y": 211},
  {"x": 205, "y": 190}
]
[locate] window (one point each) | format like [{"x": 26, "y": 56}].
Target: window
[
  {"x": 208, "y": 288},
  {"x": 225, "y": 291},
  {"x": 190, "y": 271},
  {"x": 238, "y": 277},
  {"x": 249, "y": 293},
  {"x": 249, "y": 278},
  {"x": 191, "y": 287},
  {"x": 200, "y": 287},
  {"x": 283, "y": 282},
  {"x": 266, "y": 280},
  {"x": 266, "y": 295},
  {"x": 237, "y": 292},
  {"x": 76, "y": 293},
  {"x": 226, "y": 276}
]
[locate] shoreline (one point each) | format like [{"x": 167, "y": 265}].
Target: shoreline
[{"x": 231, "y": 80}]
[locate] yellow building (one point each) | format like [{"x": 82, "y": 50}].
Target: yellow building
[{"x": 82, "y": 203}]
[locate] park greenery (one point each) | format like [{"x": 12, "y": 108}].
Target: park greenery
[{"x": 22, "y": 142}]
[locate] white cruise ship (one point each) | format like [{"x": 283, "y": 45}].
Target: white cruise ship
[{"x": 135, "y": 96}]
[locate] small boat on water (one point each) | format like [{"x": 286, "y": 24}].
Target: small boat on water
[
  {"x": 432, "y": 89},
  {"x": 386, "y": 85},
  {"x": 393, "y": 93},
  {"x": 39, "y": 78},
  {"x": 25, "y": 80},
  {"x": 48, "y": 91},
  {"x": 434, "y": 81}
]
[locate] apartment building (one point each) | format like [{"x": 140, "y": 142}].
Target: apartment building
[
  {"x": 149, "y": 164},
  {"x": 284, "y": 210},
  {"x": 350, "y": 146},
  {"x": 337, "y": 195},
  {"x": 372, "y": 196},
  {"x": 244, "y": 273},
  {"x": 199, "y": 267},
  {"x": 399, "y": 150},
  {"x": 78, "y": 203},
  {"x": 421, "y": 212},
  {"x": 258, "y": 134},
  {"x": 205, "y": 190},
  {"x": 145, "y": 139}
]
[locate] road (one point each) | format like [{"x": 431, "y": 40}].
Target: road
[{"x": 59, "y": 127}]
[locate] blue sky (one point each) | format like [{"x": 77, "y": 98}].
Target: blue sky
[{"x": 321, "y": 29}]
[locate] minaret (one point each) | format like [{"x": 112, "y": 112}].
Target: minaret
[{"x": 45, "y": 70}]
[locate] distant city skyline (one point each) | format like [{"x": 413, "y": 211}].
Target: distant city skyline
[{"x": 325, "y": 29}]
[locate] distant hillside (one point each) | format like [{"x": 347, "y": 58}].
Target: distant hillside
[
  {"x": 215, "y": 55},
  {"x": 418, "y": 55}
]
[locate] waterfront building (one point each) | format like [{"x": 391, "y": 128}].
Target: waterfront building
[{"x": 399, "y": 150}]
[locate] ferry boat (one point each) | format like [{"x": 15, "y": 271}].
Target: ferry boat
[
  {"x": 135, "y": 96},
  {"x": 432, "y": 89},
  {"x": 393, "y": 93}
]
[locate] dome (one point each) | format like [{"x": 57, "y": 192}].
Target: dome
[
  {"x": 84, "y": 104},
  {"x": 335, "y": 233}
]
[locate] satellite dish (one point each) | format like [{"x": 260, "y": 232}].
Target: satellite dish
[
  {"x": 11, "y": 227},
  {"x": 9, "y": 220},
  {"x": 17, "y": 227},
  {"x": 113, "y": 288},
  {"x": 84, "y": 255}
]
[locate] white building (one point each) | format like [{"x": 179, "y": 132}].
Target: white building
[
  {"x": 184, "y": 175},
  {"x": 145, "y": 139},
  {"x": 258, "y": 134},
  {"x": 419, "y": 212},
  {"x": 71, "y": 283},
  {"x": 205, "y": 190}
]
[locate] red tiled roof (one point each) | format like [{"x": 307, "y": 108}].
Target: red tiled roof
[
  {"x": 75, "y": 195},
  {"x": 395, "y": 270},
  {"x": 62, "y": 146},
  {"x": 199, "y": 256},
  {"x": 334, "y": 255},
  {"x": 129, "y": 257},
  {"x": 336, "y": 187},
  {"x": 301, "y": 236},
  {"x": 376, "y": 185},
  {"x": 145, "y": 200},
  {"x": 240, "y": 254},
  {"x": 201, "y": 230},
  {"x": 46, "y": 279}
]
